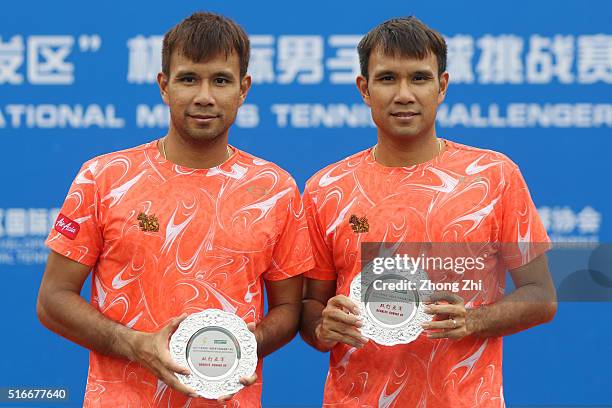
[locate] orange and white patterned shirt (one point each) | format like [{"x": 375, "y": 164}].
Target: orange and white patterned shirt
[
  {"x": 163, "y": 240},
  {"x": 463, "y": 195}
]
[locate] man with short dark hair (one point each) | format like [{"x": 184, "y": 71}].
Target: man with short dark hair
[
  {"x": 176, "y": 226},
  {"x": 415, "y": 188}
]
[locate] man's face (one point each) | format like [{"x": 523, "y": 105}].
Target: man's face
[
  {"x": 403, "y": 94},
  {"x": 203, "y": 97}
]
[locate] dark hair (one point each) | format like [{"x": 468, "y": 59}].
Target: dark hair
[
  {"x": 406, "y": 37},
  {"x": 205, "y": 35}
]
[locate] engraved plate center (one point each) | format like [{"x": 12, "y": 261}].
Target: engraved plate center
[
  {"x": 391, "y": 308},
  {"x": 213, "y": 353}
]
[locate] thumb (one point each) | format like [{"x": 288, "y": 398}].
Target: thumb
[
  {"x": 251, "y": 326},
  {"x": 174, "y": 323}
]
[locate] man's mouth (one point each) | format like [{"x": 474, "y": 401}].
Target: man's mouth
[
  {"x": 202, "y": 116},
  {"x": 404, "y": 114}
]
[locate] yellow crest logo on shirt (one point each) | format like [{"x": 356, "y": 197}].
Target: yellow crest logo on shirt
[
  {"x": 359, "y": 224},
  {"x": 148, "y": 222}
]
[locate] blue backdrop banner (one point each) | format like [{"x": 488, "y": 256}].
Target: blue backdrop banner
[{"x": 529, "y": 79}]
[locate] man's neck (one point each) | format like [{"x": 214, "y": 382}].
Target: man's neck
[
  {"x": 404, "y": 153},
  {"x": 202, "y": 155}
]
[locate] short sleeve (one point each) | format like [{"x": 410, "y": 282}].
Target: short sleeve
[
  {"x": 292, "y": 253},
  {"x": 523, "y": 236},
  {"x": 76, "y": 233},
  {"x": 324, "y": 268}
]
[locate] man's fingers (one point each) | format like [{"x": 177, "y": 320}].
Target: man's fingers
[
  {"x": 446, "y": 296},
  {"x": 246, "y": 381},
  {"x": 172, "y": 365},
  {"x": 454, "y": 310},
  {"x": 250, "y": 380},
  {"x": 173, "y": 325},
  {"x": 443, "y": 324},
  {"x": 251, "y": 326},
  {"x": 352, "y": 341},
  {"x": 224, "y": 398},
  {"x": 449, "y": 334},
  {"x": 169, "y": 378},
  {"x": 342, "y": 301},
  {"x": 345, "y": 330},
  {"x": 164, "y": 357},
  {"x": 333, "y": 336},
  {"x": 337, "y": 325},
  {"x": 342, "y": 317}
]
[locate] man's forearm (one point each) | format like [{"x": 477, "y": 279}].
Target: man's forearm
[
  {"x": 277, "y": 328},
  {"x": 311, "y": 317},
  {"x": 526, "y": 307},
  {"x": 69, "y": 315}
]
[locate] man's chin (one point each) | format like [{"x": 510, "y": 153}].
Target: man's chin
[
  {"x": 404, "y": 134},
  {"x": 199, "y": 134}
]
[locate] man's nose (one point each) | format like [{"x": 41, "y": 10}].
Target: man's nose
[
  {"x": 405, "y": 94},
  {"x": 204, "y": 96}
]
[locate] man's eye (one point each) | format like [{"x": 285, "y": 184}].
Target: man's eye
[
  {"x": 187, "y": 80},
  {"x": 420, "y": 78},
  {"x": 387, "y": 78},
  {"x": 221, "y": 81}
]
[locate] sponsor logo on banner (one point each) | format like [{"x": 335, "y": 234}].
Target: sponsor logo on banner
[{"x": 66, "y": 226}]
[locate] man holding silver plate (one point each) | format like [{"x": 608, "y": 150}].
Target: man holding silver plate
[
  {"x": 393, "y": 224},
  {"x": 181, "y": 234}
]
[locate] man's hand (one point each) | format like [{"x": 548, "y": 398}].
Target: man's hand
[
  {"x": 246, "y": 381},
  {"x": 340, "y": 323},
  {"x": 151, "y": 351},
  {"x": 61, "y": 308},
  {"x": 450, "y": 317},
  {"x": 533, "y": 302}
]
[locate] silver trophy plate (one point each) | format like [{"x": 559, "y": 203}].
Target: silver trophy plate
[
  {"x": 218, "y": 348},
  {"x": 391, "y": 316}
]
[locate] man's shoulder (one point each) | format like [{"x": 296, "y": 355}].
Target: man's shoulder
[
  {"x": 125, "y": 157},
  {"x": 477, "y": 157},
  {"x": 260, "y": 165},
  {"x": 336, "y": 173}
]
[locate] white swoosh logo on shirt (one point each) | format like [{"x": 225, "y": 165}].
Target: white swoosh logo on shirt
[
  {"x": 117, "y": 193},
  {"x": 327, "y": 179},
  {"x": 470, "y": 361},
  {"x": 448, "y": 182},
  {"x": 475, "y": 168},
  {"x": 476, "y": 217},
  {"x": 119, "y": 282},
  {"x": 338, "y": 220},
  {"x": 81, "y": 179},
  {"x": 385, "y": 400},
  {"x": 173, "y": 230},
  {"x": 266, "y": 206}
]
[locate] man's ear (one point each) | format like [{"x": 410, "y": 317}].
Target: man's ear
[
  {"x": 162, "y": 81},
  {"x": 245, "y": 86},
  {"x": 443, "y": 87},
  {"x": 362, "y": 86}
]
